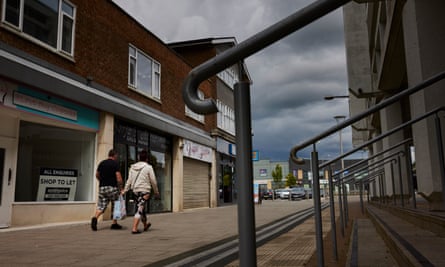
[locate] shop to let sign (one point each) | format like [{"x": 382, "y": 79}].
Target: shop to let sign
[{"x": 57, "y": 184}]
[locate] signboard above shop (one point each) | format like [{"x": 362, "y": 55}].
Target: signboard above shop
[{"x": 197, "y": 151}]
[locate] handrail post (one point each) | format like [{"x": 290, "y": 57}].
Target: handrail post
[
  {"x": 393, "y": 184},
  {"x": 317, "y": 208},
  {"x": 402, "y": 198},
  {"x": 246, "y": 212},
  {"x": 332, "y": 209},
  {"x": 361, "y": 196},
  {"x": 345, "y": 203},
  {"x": 410, "y": 174},
  {"x": 441, "y": 156},
  {"x": 340, "y": 207},
  {"x": 382, "y": 196}
]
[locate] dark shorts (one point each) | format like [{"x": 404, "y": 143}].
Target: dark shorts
[{"x": 107, "y": 194}]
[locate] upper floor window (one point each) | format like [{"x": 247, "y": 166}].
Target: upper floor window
[
  {"x": 190, "y": 113},
  {"x": 225, "y": 117},
  {"x": 229, "y": 76},
  {"x": 144, "y": 73},
  {"x": 50, "y": 22}
]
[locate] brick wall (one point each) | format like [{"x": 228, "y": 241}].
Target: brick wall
[{"x": 103, "y": 34}]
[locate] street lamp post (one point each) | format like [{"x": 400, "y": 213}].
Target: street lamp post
[{"x": 338, "y": 119}]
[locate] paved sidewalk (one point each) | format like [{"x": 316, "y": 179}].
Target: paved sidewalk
[{"x": 171, "y": 234}]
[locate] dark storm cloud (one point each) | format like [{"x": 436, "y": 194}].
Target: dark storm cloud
[{"x": 290, "y": 78}]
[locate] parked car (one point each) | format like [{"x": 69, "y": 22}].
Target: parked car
[
  {"x": 268, "y": 194},
  {"x": 297, "y": 193},
  {"x": 282, "y": 193}
]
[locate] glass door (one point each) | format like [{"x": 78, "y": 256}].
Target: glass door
[{"x": 7, "y": 178}]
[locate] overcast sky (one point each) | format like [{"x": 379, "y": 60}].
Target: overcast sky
[{"x": 290, "y": 77}]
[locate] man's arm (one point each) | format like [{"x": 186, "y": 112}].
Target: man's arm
[{"x": 120, "y": 181}]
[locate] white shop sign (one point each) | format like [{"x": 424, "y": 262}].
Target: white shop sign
[
  {"x": 197, "y": 151},
  {"x": 57, "y": 184}
]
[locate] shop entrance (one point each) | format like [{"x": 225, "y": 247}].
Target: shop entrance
[{"x": 7, "y": 173}]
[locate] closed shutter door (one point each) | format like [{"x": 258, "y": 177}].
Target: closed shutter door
[{"x": 196, "y": 184}]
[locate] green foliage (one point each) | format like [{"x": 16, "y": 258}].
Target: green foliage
[
  {"x": 291, "y": 180},
  {"x": 277, "y": 175}
]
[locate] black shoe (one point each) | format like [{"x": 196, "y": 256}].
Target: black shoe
[
  {"x": 94, "y": 224},
  {"x": 147, "y": 226},
  {"x": 116, "y": 226},
  {"x": 135, "y": 232}
]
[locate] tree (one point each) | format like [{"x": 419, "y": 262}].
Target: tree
[
  {"x": 277, "y": 175},
  {"x": 291, "y": 180}
]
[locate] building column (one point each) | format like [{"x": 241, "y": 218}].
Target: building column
[
  {"x": 105, "y": 142},
  {"x": 178, "y": 175},
  {"x": 423, "y": 22},
  {"x": 213, "y": 181}
]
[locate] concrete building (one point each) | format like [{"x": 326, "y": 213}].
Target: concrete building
[
  {"x": 262, "y": 173},
  {"x": 78, "y": 78},
  {"x": 392, "y": 46}
]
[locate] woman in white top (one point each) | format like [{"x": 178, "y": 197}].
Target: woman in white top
[{"x": 141, "y": 179}]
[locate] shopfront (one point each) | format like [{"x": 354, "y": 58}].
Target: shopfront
[
  {"x": 226, "y": 172},
  {"x": 129, "y": 140},
  {"x": 197, "y": 175},
  {"x": 47, "y": 153}
]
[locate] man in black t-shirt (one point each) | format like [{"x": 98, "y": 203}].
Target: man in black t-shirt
[{"x": 110, "y": 186}]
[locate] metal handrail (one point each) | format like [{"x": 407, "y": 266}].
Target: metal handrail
[
  {"x": 377, "y": 107},
  {"x": 230, "y": 57},
  {"x": 397, "y": 153},
  {"x": 375, "y": 165},
  {"x": 379, "y": 137},
  {"x": 374, "y": 156}
]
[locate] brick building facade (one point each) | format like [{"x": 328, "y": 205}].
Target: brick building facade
[{"x": 78, "y": 78}]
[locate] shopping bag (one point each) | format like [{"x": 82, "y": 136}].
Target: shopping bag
[{"x": 119, "y": 211}]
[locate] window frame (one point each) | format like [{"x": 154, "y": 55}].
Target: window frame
[
  {"x": 225, "y": 117},
  {"x": 155, "y": 89},
  {"x": 61, "y": 15}
]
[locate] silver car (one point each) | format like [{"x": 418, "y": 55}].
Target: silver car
[
  {"x": 297, "y": 193},
  {"x": 282, "y": 193}
]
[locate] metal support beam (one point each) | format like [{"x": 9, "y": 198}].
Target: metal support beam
[
  {"x": 317, "y": 207},
  {"x": 393, "y": 183},
  {"x": 409, "y": 168},
  {"x": 246, "y": 211},
  {"x": 441, "y": 156},
  {"x": 340, "y": 207},
  {"x": 332, "y": 210},
  {"x": 399, "y": 165}
]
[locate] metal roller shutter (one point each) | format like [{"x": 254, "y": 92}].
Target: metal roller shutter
[{"x": 196, "y": 184}]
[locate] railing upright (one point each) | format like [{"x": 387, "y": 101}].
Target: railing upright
[
  {"x": 332, "y": 212},
  {"x": 410, "y": 175},
  {"x": 441, "y": 153},
  {"x": 399, "y": 166},
  {"x": 317, "y": 206},
  {"x": 393, "y": 184}
]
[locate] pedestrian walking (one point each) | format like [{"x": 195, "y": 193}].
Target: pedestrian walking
[
  {"x": 110, "y": 185},
  {"x": 141, "y": 180}
]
